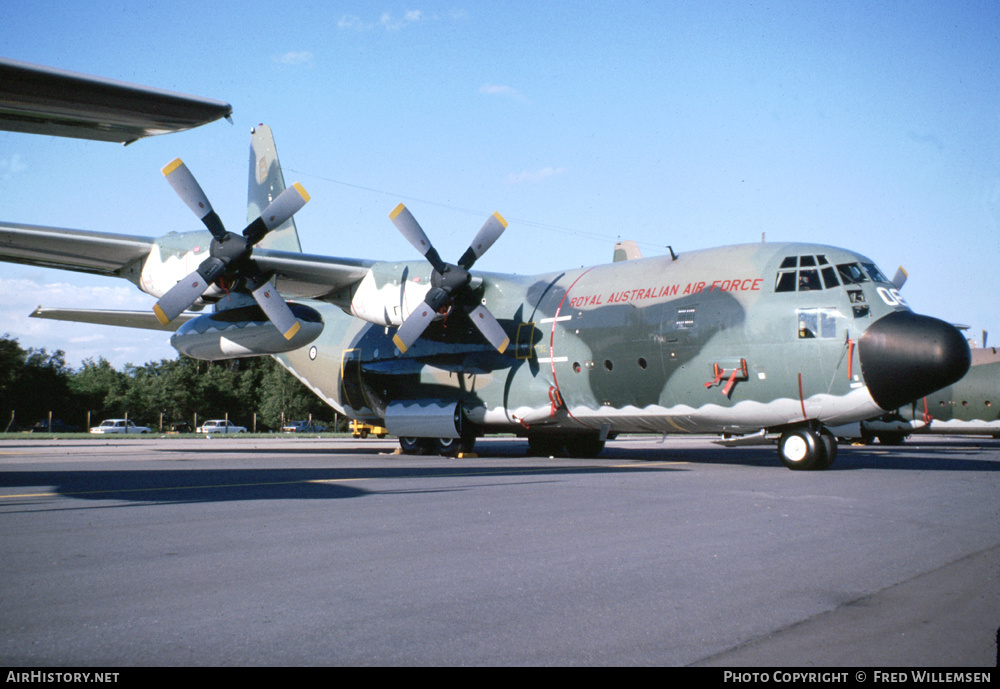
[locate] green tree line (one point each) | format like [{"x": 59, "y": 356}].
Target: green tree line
[{"x": 35, "y": 383}]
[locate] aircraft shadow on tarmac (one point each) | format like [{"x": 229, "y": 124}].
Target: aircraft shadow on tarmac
[
  {"x": 156, "y": 486},
  {"x": 161, "y": 486}
]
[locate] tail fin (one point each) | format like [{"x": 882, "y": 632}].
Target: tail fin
[{"x": 266, "y": 182}]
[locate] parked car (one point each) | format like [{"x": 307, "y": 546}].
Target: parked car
[
  {"x": 220, "y": 426},
  {"x": 120, "y": 426},
  {"x": 57, "y": 426},
  {"x": 303, "y": 427}
]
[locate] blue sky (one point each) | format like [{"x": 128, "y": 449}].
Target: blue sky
[{"x": 872, "y": 126}]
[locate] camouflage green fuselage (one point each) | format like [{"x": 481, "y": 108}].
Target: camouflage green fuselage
[
  {"x": 970, "y": 406},
  {"x": 721, "y": 340}
]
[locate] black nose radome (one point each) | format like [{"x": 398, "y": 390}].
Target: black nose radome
[{"x": 905, "y": 356}]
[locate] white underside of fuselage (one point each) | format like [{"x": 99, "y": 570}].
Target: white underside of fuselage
[
  {"x": 743, "y": 417},
  {"x": 958, "y": 427}
]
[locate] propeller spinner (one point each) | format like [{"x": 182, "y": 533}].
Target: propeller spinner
[
  {"x": 229, "y": 254},
  {"x": 448, "y": 281}
]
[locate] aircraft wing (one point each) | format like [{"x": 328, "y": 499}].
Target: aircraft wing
[
  {"x": 43, "y": 100},
  {"x": 311, "y": 276},
  {"x": 102, "y": 253},
  {"x": 79, "y": 250}
]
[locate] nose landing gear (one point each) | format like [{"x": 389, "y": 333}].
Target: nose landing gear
[{"x": 807, "y": 449}]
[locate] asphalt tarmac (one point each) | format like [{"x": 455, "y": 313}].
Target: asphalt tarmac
[{"x": 317, "y": 551}]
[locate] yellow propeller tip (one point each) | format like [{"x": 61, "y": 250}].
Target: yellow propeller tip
[
  {"x": 160, "y": 316},
  {"x": 171, "y": 166},
  {"x": 302, "y": 192}
]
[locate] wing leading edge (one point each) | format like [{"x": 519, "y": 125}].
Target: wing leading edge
[{"x": 35, "y": 99}]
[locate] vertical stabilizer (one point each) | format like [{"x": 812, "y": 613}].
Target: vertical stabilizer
[{"x": 266, "y": 182}]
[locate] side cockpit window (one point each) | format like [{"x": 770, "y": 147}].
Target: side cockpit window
[{"x": 817, "y": 323}]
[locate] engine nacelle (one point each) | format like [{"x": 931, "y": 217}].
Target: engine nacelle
[
  {"x": 389, "y": 291},
  {"x": 242, "y": 332}
]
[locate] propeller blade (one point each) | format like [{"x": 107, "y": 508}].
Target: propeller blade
[
  {"x": 490, "y": 328},
  {"x": 277, "y": 310},
  {"x": 180, "y": 297},
  {"x": 288, "y": 203},
  {"x": 413, "y": 327},
  {"x": 487, "y": 235},
  {"x": 410, "y": 229},
  {"x": 187, "y": 187},
  {"x": 899, "y": 279}
]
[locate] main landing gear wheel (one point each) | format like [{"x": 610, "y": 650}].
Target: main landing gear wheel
[
  {"x": 803, "y": 449},
  {"x": 415, "y": 446},
  {"x": 453, "y": 447},
  {"x": 446, "y": 447}
]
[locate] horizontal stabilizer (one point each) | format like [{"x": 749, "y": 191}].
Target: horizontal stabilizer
[{"x": 126, "y": 319}]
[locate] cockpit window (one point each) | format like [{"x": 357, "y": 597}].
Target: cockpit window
[
  {"x": 805, "y": 273},
  {"x": 809, "y": 279},
  {"x": 874, "y": 273},
  {"x": 810, "y": 276},
  {"x": 851, "y": 273}
]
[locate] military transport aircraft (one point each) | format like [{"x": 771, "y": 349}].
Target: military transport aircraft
[{"x": 776, "y": 339}]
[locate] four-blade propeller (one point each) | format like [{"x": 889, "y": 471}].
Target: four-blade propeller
[
  {"x": 229, "y": 254},
  {"x": 448, "y": 281}
]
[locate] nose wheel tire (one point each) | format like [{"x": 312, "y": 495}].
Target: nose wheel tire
[{"x": 803, "y": 449}]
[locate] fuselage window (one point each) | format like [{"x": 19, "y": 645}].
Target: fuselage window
[{"x": 818, "y": 323}]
